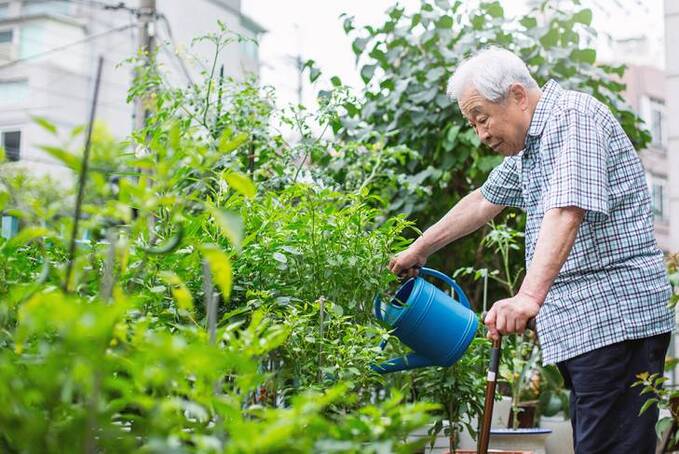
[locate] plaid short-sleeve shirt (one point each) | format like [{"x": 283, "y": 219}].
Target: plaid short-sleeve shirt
[{"x": 614, "y": 285}]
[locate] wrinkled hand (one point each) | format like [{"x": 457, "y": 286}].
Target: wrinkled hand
[
  {"x": 511, "y": 315},
  {"x": 407, "y": 263}
]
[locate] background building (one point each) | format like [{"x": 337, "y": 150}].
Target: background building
[
  {"x": 49, "y": 49},
  {"x": 645, "y": 92},
  {"x": 672, "y": 110}
]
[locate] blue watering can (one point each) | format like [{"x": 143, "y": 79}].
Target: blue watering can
[{"x": 435, "y": 326}]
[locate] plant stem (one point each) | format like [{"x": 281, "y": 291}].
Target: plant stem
[
  {"x": 321, "y": 302},
  {"x": 209, "y": 85},
  {"x": 210, "y": 305},
  {"x": 109, "y": 265}
]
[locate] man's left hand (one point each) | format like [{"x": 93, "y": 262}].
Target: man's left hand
[{"x": 511, "y": 315}]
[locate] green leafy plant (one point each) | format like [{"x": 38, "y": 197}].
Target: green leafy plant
[
  {"x": 554, "y": 398},
  {"x": 664, "y": 397},
  {"x": 459, "y": 390},
  {"x": 405, "y": 62},
  {"x": 192, "y": 290}
]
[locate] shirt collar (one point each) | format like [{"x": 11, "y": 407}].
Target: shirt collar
[{"x": 551, "y": 91}]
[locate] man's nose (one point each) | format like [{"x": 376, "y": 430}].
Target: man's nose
[{"x": 484, "y": 135}]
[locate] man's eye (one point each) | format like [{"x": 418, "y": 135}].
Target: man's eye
[{"x": 483, "y": 120}]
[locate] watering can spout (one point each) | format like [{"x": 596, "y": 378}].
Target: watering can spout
[{"x": 410, "y": 361}]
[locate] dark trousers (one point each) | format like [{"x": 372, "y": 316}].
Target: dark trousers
[{"x": 604, "y": 408}]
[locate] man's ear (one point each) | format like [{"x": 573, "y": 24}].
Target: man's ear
[{"x": 519, "y": 95}]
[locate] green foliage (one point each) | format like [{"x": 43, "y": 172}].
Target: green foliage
[
  {"x": 673, "y": 272},
  {"x": 406, "y": 62},
  {"x": 655, "y": 385},
  {"x": 554, "y": 397},
  {"x": 304, "y": 243},
  {"x": 459, "y": 390},
  {"x": 520, "y": 366},
  {"x": 315, "y": 260},
  {"x": 214, "y": 306},
  {"x": 658, "y": 394}
]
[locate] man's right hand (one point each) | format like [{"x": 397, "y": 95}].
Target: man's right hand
[{"x": 407, "y": 263}]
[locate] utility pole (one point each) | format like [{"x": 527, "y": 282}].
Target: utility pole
[{"x": 146, "y": 15}]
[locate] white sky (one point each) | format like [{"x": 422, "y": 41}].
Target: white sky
[{"x": 313, "y": 28}]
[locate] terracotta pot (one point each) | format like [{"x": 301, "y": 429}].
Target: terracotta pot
[{"x": 490, "y": 451}]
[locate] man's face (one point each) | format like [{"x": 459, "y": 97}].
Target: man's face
[{"x": 500, "y": 125}]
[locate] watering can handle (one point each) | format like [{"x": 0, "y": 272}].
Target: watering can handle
[
  {"x": 439, "y": 275},
  {"x": 377, "y": 308}
]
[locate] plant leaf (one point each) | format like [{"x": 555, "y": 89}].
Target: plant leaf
[
  {"x": 647, "y": 404},
  {"x": 69, "y": 159},
  {"x": 584, "y": 55},
  {"x": 230, "y": 224},
  {"x": 584, "y": 16},
  {"x": 241, "y": 183},
  {"x": 227, "y": 143},
  {"x": 662, "y": 426},
  {"x": 179, "y": 290},
  {"x": 4, "y": 198},
  {"x": 45, "y": 124},
  {"x": 27, "y": 235},
  {"x": 220, "y": 265}
]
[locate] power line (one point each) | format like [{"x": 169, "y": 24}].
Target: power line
[
  {"x": 73, "y": 97},
  {"x": 119, "y": 56},
  {"x": 61, "y": 72},
  {"x": 97, "y": 3},
  {"x": 65, "y": 46}
]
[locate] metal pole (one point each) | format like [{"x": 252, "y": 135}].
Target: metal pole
[{"x": 82, "y": 177}]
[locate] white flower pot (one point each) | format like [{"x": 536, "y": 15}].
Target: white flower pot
[
  {"x": 561, "y": 439},
  {"x": 532, "y": 440},
  {"x": 501, "y": 411}
]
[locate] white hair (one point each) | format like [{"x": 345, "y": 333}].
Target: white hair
[{"x": 491, "y": 71}]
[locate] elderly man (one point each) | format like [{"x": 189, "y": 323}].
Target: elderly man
[{"x": 595, "y": 281}]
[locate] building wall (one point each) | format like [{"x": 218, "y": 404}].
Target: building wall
[
  {"x": 672, "y": 110},
  {"x": 205, "y": 15},
  {"x": 645, "y": 92},
  {"x": 59, "y": 85}
]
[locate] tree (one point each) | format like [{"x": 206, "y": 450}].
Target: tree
[{"x": 406, "y": 63}]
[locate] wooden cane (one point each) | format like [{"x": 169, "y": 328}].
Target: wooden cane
[{"x": 491, "y": 382}]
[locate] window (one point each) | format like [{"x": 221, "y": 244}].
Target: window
[
  {"x": 43, "y": 7},
  {"x": 11, "y": 142},
  {"x": 249, "y": 49},
  {"x": 32, "y": 40},
  {"x": 653, "y": 113},
  {"x": 13, "y": 91},
  {"x": 657, "y": 123},
  {"x": 4, "y": 10},
  {"x": 659, "y": 198},
  {"x": 6, "y": 36},
  {"x": 6, "y": 45}
]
